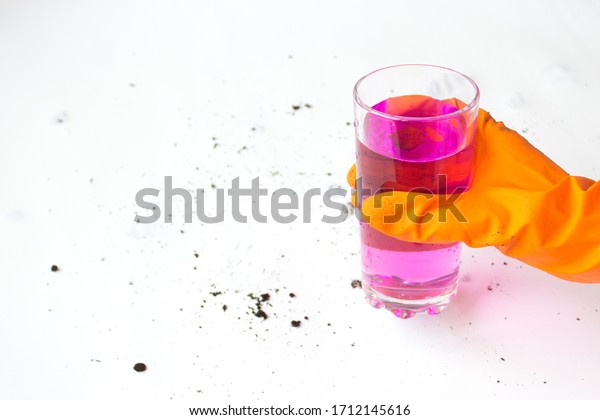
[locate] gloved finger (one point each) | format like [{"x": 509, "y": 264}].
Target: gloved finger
[
  {"x": 351, "y": 177},
  {"x": 446, "y": 218},
  {"x": 412, "y": 217}
]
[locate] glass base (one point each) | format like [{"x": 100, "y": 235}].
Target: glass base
[{"x": 405, "y": 303}]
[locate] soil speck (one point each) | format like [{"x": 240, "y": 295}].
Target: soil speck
[{"x": 261, "y": 314}]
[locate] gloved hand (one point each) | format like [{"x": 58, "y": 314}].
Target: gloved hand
[{"x": 519, "y": 201}]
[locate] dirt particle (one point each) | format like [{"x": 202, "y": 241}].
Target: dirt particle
[
  {"x": 257, "y": 311},
  {"x": 356, "y": 284},
  {"x": 296, "y": 107},
  {"x": 61, "y": 118},
  {"x": 216, "y": 293},
  {"x": 292, "y": 295},
  {"x": 54, "y": 268},
  {"x": 139, "y": 367},
  {"x": 224, "y": 308},
  {"x": 261, "y": 314},
  {"x": 296, "y": 324},
  {"x": 502, "y": 358}
]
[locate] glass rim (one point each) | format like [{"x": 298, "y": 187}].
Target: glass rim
[{"x": 366, "y": 107}]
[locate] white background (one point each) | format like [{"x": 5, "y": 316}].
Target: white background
[{"x": 99, "y": 99}]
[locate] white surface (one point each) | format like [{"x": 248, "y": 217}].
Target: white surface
[{"x": 129, "y": 293}]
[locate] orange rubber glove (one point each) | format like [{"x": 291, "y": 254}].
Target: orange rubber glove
[{"x": 519, "y": 201}]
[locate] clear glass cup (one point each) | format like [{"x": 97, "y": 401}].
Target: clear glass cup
[{"x": 415, "y": 127}]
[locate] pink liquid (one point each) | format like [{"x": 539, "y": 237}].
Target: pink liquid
[{"x": 405, "y": 155}]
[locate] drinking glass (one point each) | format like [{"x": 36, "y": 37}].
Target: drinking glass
[{"x": 415, "y": 127}]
